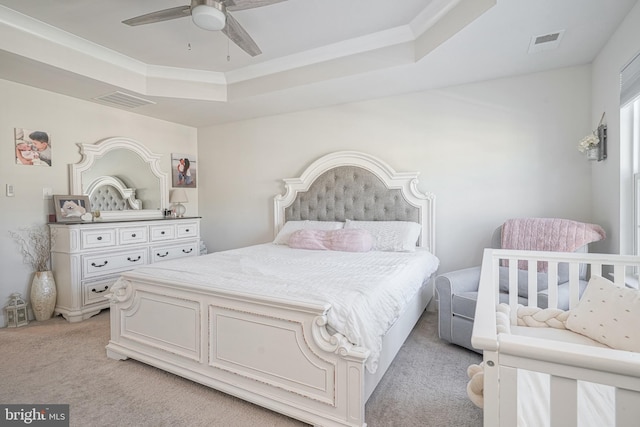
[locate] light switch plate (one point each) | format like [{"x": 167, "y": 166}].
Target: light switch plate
[
  {"x": 47, "y": 193},
  {"x": 10, "y": 192}
]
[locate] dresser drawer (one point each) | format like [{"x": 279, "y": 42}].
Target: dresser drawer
[
  {"x": 163, "y": 253},
  {"x": 102, "y": 238},
  {"x": 162, "y": 232},
  {"x": 99, "y": 265},
  {"x": 94, "y": 292},
  {"x": 132, "y": 235},
  {"x": 189, "y": 229}
]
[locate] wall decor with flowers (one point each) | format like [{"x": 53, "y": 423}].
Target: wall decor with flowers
[{"x": 594, "y": 145}]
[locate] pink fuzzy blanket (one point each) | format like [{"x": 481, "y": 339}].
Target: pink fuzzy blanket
[{"x": 548, "y": 234}]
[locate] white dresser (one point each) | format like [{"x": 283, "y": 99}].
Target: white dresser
[{"x": 87, "y": 258}]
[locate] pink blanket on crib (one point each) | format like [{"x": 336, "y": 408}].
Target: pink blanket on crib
[{"x": 548, "y": 234}]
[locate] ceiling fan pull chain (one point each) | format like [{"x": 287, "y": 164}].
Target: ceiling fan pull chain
[
  {"x": 228, "y": 55},
  {"x": 210, "y": 15}
]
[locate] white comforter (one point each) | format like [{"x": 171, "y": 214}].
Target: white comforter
[{"x": 367, "y": 291}]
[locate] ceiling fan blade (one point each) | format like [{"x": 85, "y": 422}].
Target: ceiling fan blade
[
  {"x": 239, "y": 36},
  {"x": 248, "y": 4},
  {"x": 161, "y": 15}
]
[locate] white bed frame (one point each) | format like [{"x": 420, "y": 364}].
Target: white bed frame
[
  {"x": 276, "y": 353},
  {"x": 565, "y": 362}
]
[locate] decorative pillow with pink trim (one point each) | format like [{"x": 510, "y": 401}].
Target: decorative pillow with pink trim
[{"x": 346, "y": 240}]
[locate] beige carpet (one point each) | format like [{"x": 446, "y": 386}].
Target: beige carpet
[{"x": 59, "y": 362}]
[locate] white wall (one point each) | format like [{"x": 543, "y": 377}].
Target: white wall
[
  {"x": 69, "y": 121},
  {"x": 488, "y": 151},
  {"x": 623, "y": 45}
]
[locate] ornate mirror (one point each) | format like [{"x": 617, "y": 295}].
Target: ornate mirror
[{"x": 122, "y": 178}]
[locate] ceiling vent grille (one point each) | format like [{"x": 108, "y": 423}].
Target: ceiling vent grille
[
  {"x": 123, "y": 100},
  {"x": 545, "y": 41}
]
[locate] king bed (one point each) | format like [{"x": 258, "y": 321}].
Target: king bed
[{"x": 305, "y": 325}]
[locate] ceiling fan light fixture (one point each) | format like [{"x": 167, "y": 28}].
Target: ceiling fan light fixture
[{"x": 208, "y": 17}]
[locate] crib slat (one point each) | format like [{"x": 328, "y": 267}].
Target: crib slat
[
  {"x": 533, "y": 282},
  {"x": 564, "y": 402},
  {"x": 491, "y": 389},
  {"x": 627, "y": 409},
  {"x": 495, "y": 267},
  {"x": 508, "y": 396},
  {"x": 513, "y": 291},
  {"x": 552, "y": 277},
  {"x": 574, "y": 284},
  {"x": 618, "y": 274}
]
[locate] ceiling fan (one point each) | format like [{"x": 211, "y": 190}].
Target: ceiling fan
[{"x": 211, "y": 15}]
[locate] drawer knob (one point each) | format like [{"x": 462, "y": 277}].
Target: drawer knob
[
  {"x": 162, "y": 256},
  {"x": 99, "y": 237},
  {"x": 187, "y": 252},
  {"x": 187, "y": 230},
  {"x": 95, "y": 291},
  {"x": 93, "y": 264},
  {"x": 133, "y": 235},
  {"x": 162, "y": 232},
  {"x": 133, "y": 260}
]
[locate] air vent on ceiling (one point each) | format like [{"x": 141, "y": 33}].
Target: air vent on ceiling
[
  {"x": 123, "y": 100},
  {"x": 545, "y": 41}
]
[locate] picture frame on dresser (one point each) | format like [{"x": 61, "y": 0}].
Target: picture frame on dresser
[{"x": 71, "y": 208}]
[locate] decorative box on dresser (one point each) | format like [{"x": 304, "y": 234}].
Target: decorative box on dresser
[{"x": 88, "y": 257}]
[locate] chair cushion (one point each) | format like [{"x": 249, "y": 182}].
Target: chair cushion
[
  {"x": 563, "y": 295},
  {"x": 504, "y": 298},
  {"x": 464, "y": 303}
]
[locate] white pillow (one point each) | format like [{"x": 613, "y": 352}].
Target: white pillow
[
  {"x": 391, "y": 236},
  {"x": 608, "y": 314},
  {"x": 290, "y": 226}
]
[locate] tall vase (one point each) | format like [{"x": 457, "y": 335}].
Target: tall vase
[{"x": 43, "y": 295}]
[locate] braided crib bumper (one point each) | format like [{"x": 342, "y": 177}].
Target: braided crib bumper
[{"x": 526, "y": 316}]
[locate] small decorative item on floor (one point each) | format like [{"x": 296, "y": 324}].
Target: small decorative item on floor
[
  {"x": 595, "y": 144},
  {"x": 35, "y": 248},
  {"x": 16, "y": 311}
]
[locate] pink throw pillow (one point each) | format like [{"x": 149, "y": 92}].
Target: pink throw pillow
[{"x": 346, "y": 240}]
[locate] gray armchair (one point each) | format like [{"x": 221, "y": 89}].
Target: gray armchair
[{"x": 458, "y": 292}]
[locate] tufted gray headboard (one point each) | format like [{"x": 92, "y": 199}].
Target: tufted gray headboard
[
  {"x": 351, "y": 192},
  {"x": 109, "y": 193},
  {"x": 107, "y": 198},
  {"x": 356, "y": 186}
]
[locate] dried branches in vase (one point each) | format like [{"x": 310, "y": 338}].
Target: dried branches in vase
[
  {"x": 34, "y": 243},
  {"x": 35, "y": 246}
]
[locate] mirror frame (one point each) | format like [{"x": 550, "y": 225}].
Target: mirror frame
[{"x": 93, "y": 151}]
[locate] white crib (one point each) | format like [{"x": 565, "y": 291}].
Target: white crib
[{"x": 570, "y": 363}]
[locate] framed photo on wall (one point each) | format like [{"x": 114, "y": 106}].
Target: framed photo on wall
[
  {"x": 183, "y": 170},
  {"x": 72, "y": 208},
  {"x": 33, "y": 147}
]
